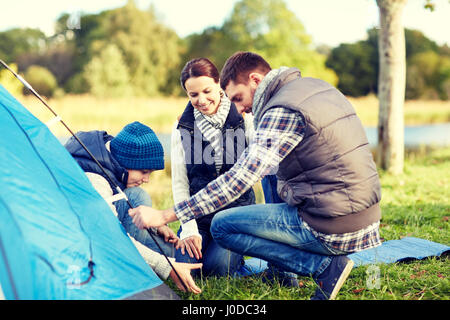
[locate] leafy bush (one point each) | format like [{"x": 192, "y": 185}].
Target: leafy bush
[{"x": 42, "y": 80}]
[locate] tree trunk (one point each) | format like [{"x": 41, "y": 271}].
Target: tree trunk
[{"x": 391, "y": 86}]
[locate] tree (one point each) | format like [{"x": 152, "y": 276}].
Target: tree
[
  {"x": 107, "y": 74},
  {"x": 391, "y": 86},
  {"x": 10, "y": 82},
  {"x": 150, "y": 50},
  {"x": 354, "y": 65},
  {"x": 266, "y": 27},
  {"x": 42, "y": 80},
  {"x": 269, "y": 28},
  {"x": 15, "y": 42}
]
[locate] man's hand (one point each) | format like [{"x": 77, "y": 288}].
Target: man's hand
[
  {"x": 184, "y": 270},
  {"x": 193, "y": 245},
  {"x": 145, "y": 217}
]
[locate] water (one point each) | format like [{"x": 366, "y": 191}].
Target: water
[{"x": 437, "y": 135}]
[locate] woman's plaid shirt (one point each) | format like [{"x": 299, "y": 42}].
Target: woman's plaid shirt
[{"x": 279, "y": 132}]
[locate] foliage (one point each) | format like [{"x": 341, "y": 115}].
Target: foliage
[
  {"x": 15, "y": 42},
  {"x": 268, "y": 28},
  {"x": 428, "y": 76},
  {"x": 9, "y": 82},
  {"x": 58, "y": 58},
  {"x": 356, "y": 65},
  {"x": 107, "y": 74},
  {"x": 154, "y": 54},
  {"x": 42, "y": 80},
  {"x": 149, "y": 49}
]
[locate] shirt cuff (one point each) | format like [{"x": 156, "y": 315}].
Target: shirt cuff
[
  {"x": 183, "y": 212},
  {"x": 189, "y": 229}
]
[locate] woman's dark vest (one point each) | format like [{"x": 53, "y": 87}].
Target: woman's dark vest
[
  {"x": 199, "y": 155},
  {"x": 330, "y": 175}
]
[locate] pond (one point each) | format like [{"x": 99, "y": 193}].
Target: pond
[{"x": 437, "y": 135}]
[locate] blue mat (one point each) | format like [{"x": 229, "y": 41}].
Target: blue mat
[
  {"x": 399, "y": 250},
  {"x": 389, "y": 252}
]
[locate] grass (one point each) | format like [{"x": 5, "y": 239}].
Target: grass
[
  {"x": 417, "y": 203},
  {"x": 84, "y": 112},
  {"x": 414, "y": 204}
]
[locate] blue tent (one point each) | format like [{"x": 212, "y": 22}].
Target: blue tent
[{"x": 58, "y": 237}]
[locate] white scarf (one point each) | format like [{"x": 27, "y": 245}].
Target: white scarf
[
  {"x": 260, "y": 93},
  {"x": 211, "y": 128}
]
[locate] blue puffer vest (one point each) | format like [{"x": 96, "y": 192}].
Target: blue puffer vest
[
  {"x": 95, "y": 142},
  {"x": 199, "y": 156}
]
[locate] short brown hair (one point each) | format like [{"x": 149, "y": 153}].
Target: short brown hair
[
  {"x": 199, "y": 67},
  {"x": 240, "y": 65}
]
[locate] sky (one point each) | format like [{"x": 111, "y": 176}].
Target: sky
[{"x": 328, "y": 22}]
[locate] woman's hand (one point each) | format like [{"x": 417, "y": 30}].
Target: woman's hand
[
  {"x": 193, "y": 245},
  {"x": 184, "y": 271},
  {"x": 145, "y": 217}
]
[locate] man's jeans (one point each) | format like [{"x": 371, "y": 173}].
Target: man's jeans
[
  {"x": 137, "y": 196},
  {"x": 272, "y": 232}
]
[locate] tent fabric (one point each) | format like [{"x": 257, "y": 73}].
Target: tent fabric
[{"x": 54, "y": 227}]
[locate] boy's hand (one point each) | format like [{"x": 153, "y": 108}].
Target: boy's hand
[{"x": 168, "y": 234}]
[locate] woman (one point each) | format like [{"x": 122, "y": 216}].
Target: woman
[{"x": 206, "y": 142}]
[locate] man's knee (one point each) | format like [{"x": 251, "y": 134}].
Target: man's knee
[{"x": 217, "y": 226}]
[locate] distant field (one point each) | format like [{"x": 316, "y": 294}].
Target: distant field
[
  {"x": 84, "y": 112},
  {"x": 416, "y": 111}
]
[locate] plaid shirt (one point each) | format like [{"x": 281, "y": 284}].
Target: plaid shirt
[{"x": 279, "y": 132}]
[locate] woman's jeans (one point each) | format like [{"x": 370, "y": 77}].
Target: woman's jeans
[
  {"x": 272, "y": 232},
  {"x": 137, "y": 196},
  {"x": 216, "y": 260}
]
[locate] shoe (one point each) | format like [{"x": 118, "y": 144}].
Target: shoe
[
  {"x": 332, "y": 278},
  {"x": 285, "y": 279}
]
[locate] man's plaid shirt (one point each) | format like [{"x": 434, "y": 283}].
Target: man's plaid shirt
[{"x": 279, "y": 132}]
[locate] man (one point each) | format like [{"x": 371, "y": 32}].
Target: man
[{"x": 309, "y": 133}]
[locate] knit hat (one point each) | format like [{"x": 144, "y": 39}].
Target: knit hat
[{"x": 138, "y": 147}]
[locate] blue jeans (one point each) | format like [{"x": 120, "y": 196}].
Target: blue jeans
[
  {"x": 269, "y": 186},
  {"x": 137, "y": 196},
  {"x": 216, "y": 260},
  {"x": 272, "y": 232}
]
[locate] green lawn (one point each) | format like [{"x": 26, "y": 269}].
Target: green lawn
[{"x": 415, "y": 204}]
